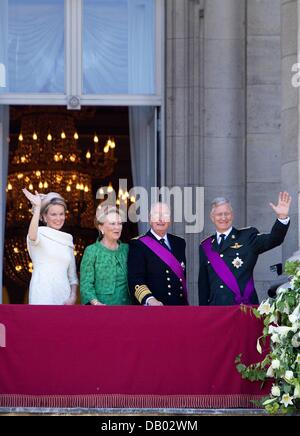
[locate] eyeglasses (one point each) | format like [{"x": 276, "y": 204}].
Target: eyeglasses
[
  {"x": 223, "y": 214},
  {"x": 158, "y": 216}
]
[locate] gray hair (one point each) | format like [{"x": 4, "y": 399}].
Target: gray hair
[
  {"x": 159, "y": 204},
  {"x": 218, "y": 201}
]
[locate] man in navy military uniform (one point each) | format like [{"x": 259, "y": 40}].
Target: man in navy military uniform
[
  {"x": 157, "y": 262},
  {"x": 227, "y": 258}
]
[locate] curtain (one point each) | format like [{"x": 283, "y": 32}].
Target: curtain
[
  {"x": 142, "y": 126},
  {"x": 4, "y": 127},
  {"x": 118, "y": 46},
  {"x": 141, "y": 39},
  {"x": 35, "y": 45},
  {"x": 3, "y": 44}
]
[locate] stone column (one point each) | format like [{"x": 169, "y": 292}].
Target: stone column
[
  {"x": 205, "y": 101},
  {"x": 3, "y": 181},
  {"x": 184, "y": 110},
  {"x": 290, "y": 118},
  {"x": 224, "y": 83},
  {"x": 263, "y": 143}
]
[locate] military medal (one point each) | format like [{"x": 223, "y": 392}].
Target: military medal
[
  {"x": 183, "y": 265},
  {"x": 237, "y": 262},
  {"x": 236, "y": 246}
]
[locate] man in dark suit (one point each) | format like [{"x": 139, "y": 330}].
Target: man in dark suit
[
  {"x": 227, "y": 258},
  {"x": 157, "y": 262}
]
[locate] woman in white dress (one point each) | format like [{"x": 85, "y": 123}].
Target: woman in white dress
[{"x": 54, "y": 279}]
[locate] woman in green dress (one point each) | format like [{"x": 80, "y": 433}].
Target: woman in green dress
[{"x": 103, "y": 271}]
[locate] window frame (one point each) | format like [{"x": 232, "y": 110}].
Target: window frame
[{"x": 73, "y": 96}]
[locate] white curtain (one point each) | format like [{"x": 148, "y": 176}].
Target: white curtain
[
  {"x": 142, "y": 125},
  {"x": 4, "y": 127},
  {"x": 141, "y": 40},
  {"x": 3, "y": 44},
  {"x": 118, "y": 46},
  {"x": 35, "y": 45}
]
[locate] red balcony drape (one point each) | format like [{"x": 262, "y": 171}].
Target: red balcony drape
[{"x": 124, "y": 357}]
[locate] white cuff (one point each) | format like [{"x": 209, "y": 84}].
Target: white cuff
[
  {"x": 147, "y": 301},
  {"x": 285, "y": 222}
]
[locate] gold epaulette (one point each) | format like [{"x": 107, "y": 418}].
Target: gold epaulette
[
  {"x": 205, "y": 239},
  {"x": 137, "y": 237},
  {"x": 141, "y": 291}
]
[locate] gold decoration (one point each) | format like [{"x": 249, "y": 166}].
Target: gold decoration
[{"x": 236, "y": 246}]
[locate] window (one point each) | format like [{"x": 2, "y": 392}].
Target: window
[
  {"x": 119, "y": 47},
  {"x": 81, "y": 52},
  {"x": 32, "y": 46}
]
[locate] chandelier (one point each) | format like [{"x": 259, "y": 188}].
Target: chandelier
[{"x": 50, "y": 155}]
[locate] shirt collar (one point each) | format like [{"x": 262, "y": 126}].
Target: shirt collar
[
  {"x": 224, "y": 233},
  {"x": 159, "y": 237}
]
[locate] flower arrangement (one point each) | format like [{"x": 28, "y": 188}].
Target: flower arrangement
[{"x": 281, "y": 317}]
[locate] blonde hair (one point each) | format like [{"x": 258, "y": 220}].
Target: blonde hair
[{"x": 103, "y": 211}]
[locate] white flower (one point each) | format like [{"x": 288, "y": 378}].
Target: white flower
[
  {"x": 280, "y": 291},
  {"x": 289, "y": 375},
  {"x": 287, "y": 400},
  {"x": 297, "y": 391},
  {"x": 265, "y": 308},
  {"x": 295, "y": 316},
  {"x": 282, "y": 327},
  {"x": 275, "y": 339},
  {"x": 275, "y": 391},
  {"x": 296, "y": 340},
  {"x": 270, "y": 372},
  {"x": 295, "y": 327},
  {"x": 271, "y": 329},
  {"x": 282, "y": 330},
  {"x": 275, "y": 364}
]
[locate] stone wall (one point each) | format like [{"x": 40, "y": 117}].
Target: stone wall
[{"x": 231, "y": 113}]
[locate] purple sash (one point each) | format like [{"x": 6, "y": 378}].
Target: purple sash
[
  {"x": 223, "y": 271},
  {"x": 166, "y": 256}
]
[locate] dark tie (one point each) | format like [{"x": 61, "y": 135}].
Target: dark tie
[
  {"x": 164, "y": 244},
  {"x": 222, "y": 236}
]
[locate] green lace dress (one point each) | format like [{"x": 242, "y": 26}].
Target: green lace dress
[{"x": 103, "y": 275}]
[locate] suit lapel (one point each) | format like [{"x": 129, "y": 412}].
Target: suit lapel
[
  {"x": 214, "y": 242},
  {"x": 172, "y": 244},
  {"x": 230, "y": 240}
]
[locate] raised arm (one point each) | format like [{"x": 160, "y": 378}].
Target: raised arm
[
  {"x": 283, "y": 206},
  {"x": 35, "y": 201}
]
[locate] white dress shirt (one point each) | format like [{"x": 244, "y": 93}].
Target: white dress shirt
[{"x": 285, "y": 222}]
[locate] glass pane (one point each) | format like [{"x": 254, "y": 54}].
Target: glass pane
[
  {"x": 119, "y": 47},
  {"x": 32, "y": 45}
]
